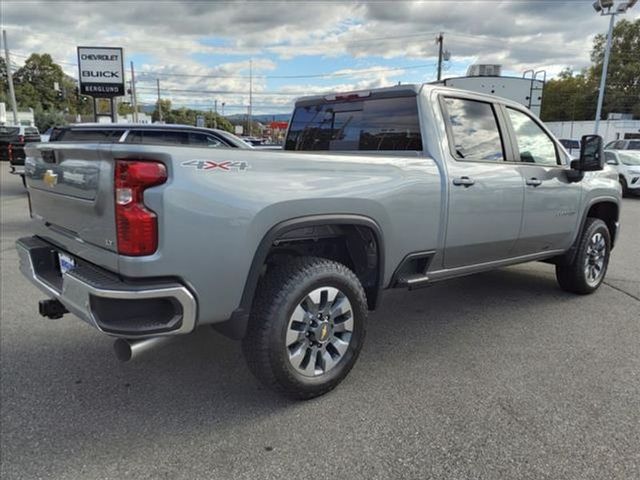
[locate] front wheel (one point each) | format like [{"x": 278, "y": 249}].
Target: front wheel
[
  {"x": 589, "y": 266},
  {"x": 306, "y": 328}
]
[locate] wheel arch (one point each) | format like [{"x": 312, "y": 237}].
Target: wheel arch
[
  {"x": 606, "y": 209},
  {"x": 236, "y": 326}
]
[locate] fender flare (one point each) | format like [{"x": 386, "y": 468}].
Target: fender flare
[{"x": 236, "y": 326}]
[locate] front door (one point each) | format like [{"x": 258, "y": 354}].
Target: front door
[
  {"x": 551, "y": 201},
  {"x": 485, "y": 193}
]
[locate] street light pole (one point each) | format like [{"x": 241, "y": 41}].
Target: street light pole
[
  {"x": 608, "y": 8},
  {"x": 605, "y": 67}
]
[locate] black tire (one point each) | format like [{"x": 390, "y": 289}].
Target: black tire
[
  {"x": 574, "y": 277},
  {"x": 281, "y": 292}
]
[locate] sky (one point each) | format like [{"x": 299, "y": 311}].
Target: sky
[{"x": 201, "y": 51}]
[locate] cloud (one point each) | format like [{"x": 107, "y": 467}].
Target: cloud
[{"x": 179, "y": 37}]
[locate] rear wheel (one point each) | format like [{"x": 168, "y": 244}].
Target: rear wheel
[
  {"x": 306, "y": 327},
  {"x": 589, "y": 266}
]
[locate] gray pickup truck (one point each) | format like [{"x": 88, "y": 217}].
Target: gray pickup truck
[{"x": 288, "y": 250}]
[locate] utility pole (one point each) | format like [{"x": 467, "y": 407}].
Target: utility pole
[
  {"x": 134, "y": 100},
  {"x": 605, "y": 67},
  {"x": 604, "y": 8},
  {"x": 215, "y": 117},
  {"x": 159, "y": 105},
  {"x": 439, "y": 40},
  {"x": 12, "y": 92},
  {"x": 250, "y": 93}
]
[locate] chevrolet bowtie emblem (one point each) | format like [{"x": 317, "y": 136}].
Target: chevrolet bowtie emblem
[
  {"x": 323, "y": 332},
  {"x": 50, "y": 179}
]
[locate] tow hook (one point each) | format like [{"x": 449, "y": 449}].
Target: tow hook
[{"x": 51, "y": 308}]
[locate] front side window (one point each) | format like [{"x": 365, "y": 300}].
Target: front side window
[
  {"x": 474, "y": 129},
  {"x": 534, "y": 144},
  {"x": 204, "y": 140},
  {"x": 377, "y": 124}
]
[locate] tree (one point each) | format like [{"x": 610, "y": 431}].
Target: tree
[
  {"x": 569, "y": 97},
  {"x": 622, "y": 92},
  {"x": 188, "y": 116},
  {"x": 574, "y": 97}
]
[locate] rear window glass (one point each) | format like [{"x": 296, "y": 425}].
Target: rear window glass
[
  {"x": 31, "y": 131},
  {"x": 88, "y": 136},
  {"x": 158, "y": 137},
  {"x": 9, "y": 131},
  {"x": 382, "y": 125},
  {"x": 474, "y": 129}
]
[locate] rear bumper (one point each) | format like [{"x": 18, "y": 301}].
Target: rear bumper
[{"x": 104, "y": 300}]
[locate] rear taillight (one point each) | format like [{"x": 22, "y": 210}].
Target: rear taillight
[
  {"x": 20, "y": 138},
  {"x": 136, "y": 226}
]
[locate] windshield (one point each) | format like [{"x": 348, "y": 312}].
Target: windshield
[
  {"x": 629, "y": 158},
  {"x": 384, "y": 124}
]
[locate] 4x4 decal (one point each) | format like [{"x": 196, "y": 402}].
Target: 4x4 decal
[{"x": 238, "y": 166}]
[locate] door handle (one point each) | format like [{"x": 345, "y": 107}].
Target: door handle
[
  {"x": 534, "y": 182},
  {"x": 466, "y": 181}
]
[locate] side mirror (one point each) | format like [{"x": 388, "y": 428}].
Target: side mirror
[{"x": 591, "y": 154}]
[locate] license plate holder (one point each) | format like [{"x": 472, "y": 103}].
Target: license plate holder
[{"x": 66, "y": 263}]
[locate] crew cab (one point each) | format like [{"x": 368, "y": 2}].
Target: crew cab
[{"x": 289, "y": 250}]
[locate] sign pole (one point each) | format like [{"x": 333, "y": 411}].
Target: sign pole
[{"x": 12, "y": 92}]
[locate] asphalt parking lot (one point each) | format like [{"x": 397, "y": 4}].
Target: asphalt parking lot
[{"x": 499, "y": 375}]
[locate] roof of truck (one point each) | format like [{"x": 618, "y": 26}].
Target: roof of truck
[{"x": 402, "y": 91}]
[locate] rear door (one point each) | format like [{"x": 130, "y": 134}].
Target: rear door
[
  {"x": 550, "y": 200},
  {"x": 485, "y": 192}
]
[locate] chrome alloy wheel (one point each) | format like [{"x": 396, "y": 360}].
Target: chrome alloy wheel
[
  {"x": 595, "y": 259},
  {"x": 319, "y": 331}
]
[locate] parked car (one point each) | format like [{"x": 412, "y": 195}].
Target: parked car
[
  {"x": 13, "y": 138},
  {"x": 627, "y": 164},
  {"x": 623, "y": 145},
  {"x": 572, "y": 146},
  {"x": 397, "y": 187},
  {"x": 143, "y": 134}
]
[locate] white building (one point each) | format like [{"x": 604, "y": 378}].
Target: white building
[
  {"x": 609, "y": 130},
  {"x": 25, "y": 118}
]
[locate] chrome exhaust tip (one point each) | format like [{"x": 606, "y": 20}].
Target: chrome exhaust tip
[{"x": 128, "y": 349}]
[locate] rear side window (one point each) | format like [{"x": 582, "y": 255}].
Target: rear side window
[
  {"x": 158, "y": 137},
  {"x": 474, "y": 130},
  {"x": 534, "y": 145},
  {"x": 381, "y": 125},
  {"x": 87, "y": 136},
  {"x": 634, "y": 145}
]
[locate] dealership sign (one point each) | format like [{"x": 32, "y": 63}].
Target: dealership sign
[{"x": 101, "y": 71}]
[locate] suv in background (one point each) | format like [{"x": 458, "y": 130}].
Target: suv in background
[
  {"x": 627, "y": 164},
  {"x": 623, "y": 145},
  {"x": 12, "y": 141},
  {"x": 147, "y": 135}
]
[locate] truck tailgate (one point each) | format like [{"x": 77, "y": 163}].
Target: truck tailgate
[{"x": 71, "y": 193}]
